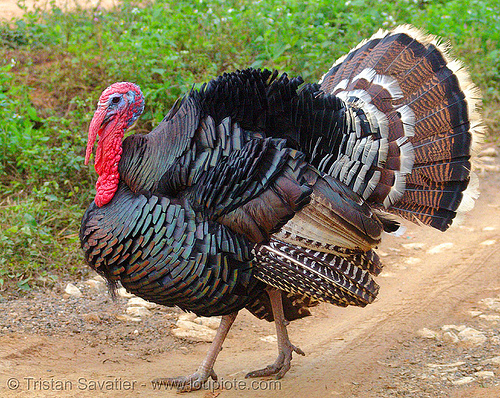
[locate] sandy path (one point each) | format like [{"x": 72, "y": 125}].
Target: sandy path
[{"x": 9, "y": 8}]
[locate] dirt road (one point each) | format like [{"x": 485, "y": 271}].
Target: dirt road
[
  {"x": 431, "y": 280},
  {"x": 9, "y": 8}
]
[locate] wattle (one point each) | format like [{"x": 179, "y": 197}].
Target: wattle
[
  {"x": 106, "y": 187},
  {"x": 108, "y": 156}
]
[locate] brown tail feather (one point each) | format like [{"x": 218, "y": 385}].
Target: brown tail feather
[{"x": 422, "y": 108}]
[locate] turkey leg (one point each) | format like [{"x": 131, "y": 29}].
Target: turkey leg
[
  {"x": 196, "y": 380},
  {"x": 285, "y": 347}
]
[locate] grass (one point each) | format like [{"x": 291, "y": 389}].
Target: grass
[{"x": 55, "y": 63}]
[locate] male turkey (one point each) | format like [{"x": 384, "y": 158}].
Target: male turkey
[{"x": 255, "y": 193}]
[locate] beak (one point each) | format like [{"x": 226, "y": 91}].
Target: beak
[{"x": 96, "y": 126}]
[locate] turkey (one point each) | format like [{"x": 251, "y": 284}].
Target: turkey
[{"x": 260, "y": 192}]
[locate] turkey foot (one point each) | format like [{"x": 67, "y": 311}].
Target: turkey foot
[
  {"x": 285, "y": 347},
  {"x": 206, "y": 369},
  {"x": 186, "y": 383},
  {"x": 281, "y": 365}
]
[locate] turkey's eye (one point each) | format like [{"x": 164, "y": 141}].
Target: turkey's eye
[{"x": 115, "y": 100}]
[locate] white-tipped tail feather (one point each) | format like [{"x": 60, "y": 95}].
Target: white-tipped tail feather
[{"x": 404, "y": 87}]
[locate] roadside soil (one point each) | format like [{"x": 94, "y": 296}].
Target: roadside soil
[
  {"x": 10, "y": 9},
  {"x": 408, "y": 343}
]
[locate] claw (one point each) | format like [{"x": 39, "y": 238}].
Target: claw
[
  {"x": 186, "y": 383},
  {"x": 280, "y": 366}
]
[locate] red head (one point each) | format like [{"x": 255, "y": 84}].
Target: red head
[{"x": 119, "y": 106}]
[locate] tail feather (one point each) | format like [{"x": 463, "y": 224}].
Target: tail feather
[
  {"x": 324, "y": 277},
  {"x": 336, "y": 216},
  {"x": 403, "y": 87},
  {"x": 438, "y": 198},
  {"x": 457, "y": 170},
  {"x": 437, "y": 218},
  {"x": 439, "y": 147}
]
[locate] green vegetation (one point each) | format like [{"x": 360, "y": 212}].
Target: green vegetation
[{"x": 55, "y": 63}]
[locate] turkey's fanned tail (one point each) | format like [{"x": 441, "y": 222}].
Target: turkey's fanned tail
[{"x": 412, "y": 121}]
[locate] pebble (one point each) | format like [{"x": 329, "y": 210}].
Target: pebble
[
  {"x": 490, "y": 318},
  {"x": 412, "y": 260},
  {"x": 72, "y": 290},
  {"x": 96, "y": 285},
  {"x": 122, "y": 292},
  {"x": 446, "y": 365},
  {"x": 140, "y": 302},
  {"x": 211, "y": 322},
  {"x": 202, "y": 333},
  {"x": 466, "y": 228},
  {"x": 491, "y": 303},
  {"x": 457, "y": 328},
  {"x": 92, "y": 317},
  {"x": 414, "y": 246},
  {"x": 188, "y": 316},
  {"x": 269, "y": 339},
  {"x": 489, "y": 229},
  {"x": 472, "y": 336},
  {"x": 463, "y": 380},
  {"x": 492, "y": 361},
  {"x": 99, "y": 278},
  {"x": 428, "y": 334},
  {"x": 450, "y": 337},
  {"x": 440, "y": 248},
  {"x": 495, "y": 340},
  {"x": 474, "y": 313},
  {"x": 194, "y": 329},
  {"x": 189, "y": 325},
  {"x": 127, "y": 318},
  {"x": 138, "y": 312},
  {"x": 485, "y": 374},
  {"x": 488, "y": 242}
]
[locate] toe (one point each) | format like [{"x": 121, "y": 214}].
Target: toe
[
  {"x": 298, "y": 350},
  {"x": 267, "y": 371},
  {"x": 186, "y": 383}
]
